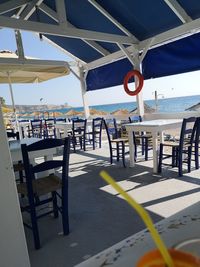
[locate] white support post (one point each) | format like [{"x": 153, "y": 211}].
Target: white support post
[
  {"x": 12, "y": 242},
  {"x": 139, "y": 97},
  {"x": 135, "y": 61},
  {"x": 84, "y": 96}
]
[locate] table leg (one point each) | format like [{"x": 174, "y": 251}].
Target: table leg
[
  {"x": 161, "y": 137},
  {"x": 57, "y": 133},
  {"x": 65, "y": 131},
  {"x": 155, "y": 151},
  {"x": 131, "y": 149}
]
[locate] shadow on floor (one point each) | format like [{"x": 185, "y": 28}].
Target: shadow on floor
[{"x": 98, "y": 217}]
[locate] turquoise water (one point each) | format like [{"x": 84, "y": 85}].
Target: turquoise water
[
  {"x": 177, "y": 104},
  {"x": 173, "y": 105}
]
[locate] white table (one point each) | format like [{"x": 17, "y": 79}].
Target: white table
[
  {"x": 156, "y": 127},
  {"x": 16, "y": 153},
  {"x": 15, "y": 149},
  {"x": 66, "y": 127},
  {"x": 177, "y": 228},
  {"x": 23, "y": 127}
]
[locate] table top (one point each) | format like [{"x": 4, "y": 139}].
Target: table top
[
  {"x": 16, "y": 144},
  {"x": 155, "y": 123},
  {"x": 181, "y": 226}
]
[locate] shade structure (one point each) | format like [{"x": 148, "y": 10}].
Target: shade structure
[
  {"x": 97, "y": 112},
  {"x": 28, "y": 70},
  {"x": 35, "y": 114},
  {"x": 98, "y": 35},
  {"x": 177, "y": 57},
  {"x": 73, "y": 112},
  {"x": 147, "y": 109},
  {"x": 120, "y": 112},
  {"x": 6, "y": 109},
  {"x": 55, "y": 114}
]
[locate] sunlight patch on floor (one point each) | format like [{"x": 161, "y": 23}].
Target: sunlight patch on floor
[
  {"x": 173, "y": 206},
  {"x": 159, "y": 190},
  {"x": 126, "y": 185},
  {"x": 164, "y": 198}
]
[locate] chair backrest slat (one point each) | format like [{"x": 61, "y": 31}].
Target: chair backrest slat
[
  {"x": 79, "y": 125},
  {"x": 13, "y": 135},
  {"x": 45, "y": 144},
  {"x": 47, "y": 165},
  {"x": 187, "y": 130},
  {"x": 60, "y": 120},
  {"x": 111, "y": 128},
  {"x": 97, "y": 124},
  {"x": 135, "y": 118}
]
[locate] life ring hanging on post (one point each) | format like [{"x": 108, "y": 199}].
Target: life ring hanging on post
[{"x": 128, "y": 76}]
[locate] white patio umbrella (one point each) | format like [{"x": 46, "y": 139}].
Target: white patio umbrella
[{"x": 28, "y": 70}]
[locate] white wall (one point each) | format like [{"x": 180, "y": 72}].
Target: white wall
[{"x": 13, "y": 249}]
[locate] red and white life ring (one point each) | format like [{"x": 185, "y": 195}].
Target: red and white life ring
[{"x": 128, "y": 76}]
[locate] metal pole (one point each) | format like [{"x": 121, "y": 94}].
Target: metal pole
[
  {"x": 139, "y": 97},
  {"x": 83, "y": 89},
  {"x": 13, "y": 102},
  {"x": 156, "y": 100}
]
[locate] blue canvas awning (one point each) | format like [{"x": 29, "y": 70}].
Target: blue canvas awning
[
  {"x": 174, "y": 58},
  {"x": 92, "y": 31}
]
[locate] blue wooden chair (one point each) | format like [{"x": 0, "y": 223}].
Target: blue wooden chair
[
  {"x": 141, "y": 139},
  {"x": 95, "y": 133},
  {"x": 180, "y": 148},
  {"x": 116, "y": 143},
  {"x": 13, "y": 135},
  {"x": 60, "y": 120},
  {"x": 50, "y": 187},
  {"x": 37, "y": 128},
  {"x": 195, "y": 137},
  {"x": 61, "y": 132},
  {"x": 49, "y": 128},
  {"x": 26, "y": 128},
  {"x": 78, "y": 136}
]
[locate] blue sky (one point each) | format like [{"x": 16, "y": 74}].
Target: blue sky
[{"x": 67, "y": 89}]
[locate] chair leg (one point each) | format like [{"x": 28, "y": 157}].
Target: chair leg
[
  {"x": 143, "y": 146},
  {"x": 196, "y": 154},
  {"x": 74, "y": 143},
  {"x": 93, "y": 140},
  {"x": 180, "y": 164},
  {"x": 55, "y": 206},
  {"x": 173, "y": 157},
  {"x": 123, "y": 154},
  {"x": 177, "y": 159},
  {"x": 34, "y": 226},
  {"x": 189, "y": 158},
  {"x": 81, "y": 143},
  {"x": 111, "y": 154},
  {"x": 117, "y": 144},
  {"x": 134, "y": 141},
  {"x": 100, "y": 140},
  {"x": 65, "y": 216},
  {"x": 146, "y": 146},
  {"x": 160, "y": 159}
]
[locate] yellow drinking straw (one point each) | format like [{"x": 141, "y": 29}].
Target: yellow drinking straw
[{"x": 145, "y": 217}]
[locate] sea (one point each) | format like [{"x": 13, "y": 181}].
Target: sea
[{"x": 172, "y": 105}]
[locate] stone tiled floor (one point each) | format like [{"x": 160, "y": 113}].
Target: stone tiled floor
[{"x": 99, "y": 217}]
